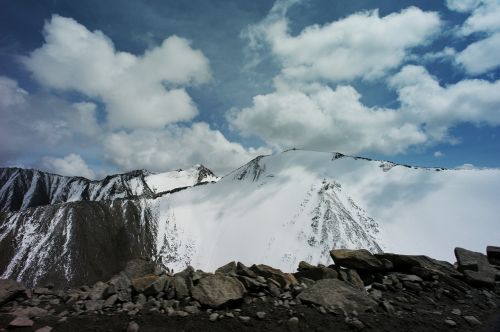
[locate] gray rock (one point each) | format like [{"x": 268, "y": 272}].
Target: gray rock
[
  {"x": 217, "y": 289},
  {"x": 228, "y": 268},
  {"x": 284, "y": 279},
  {"x": 242, "y": 270},
  {"x": 354, "y": 278},
  {"x": 456, "y": 312},
  {"x": 10, "y": 289},
  {"x": 139, "y": 267},
  {"x": 260, "y": 315},
  {"x": 245, "y": 319},
  {"x": 140, "y": 299},
  {"x": 30, "y": 312},
  {"x": 316, "y": 273},
  {"x": 157, "y": 286},
  {"x": 94, "y": 305},
  {"x": 305, "y": 266},
  {"x": 180, "y": 286},
  {"x": 493, "y": 254},
  {"x": 425, "y": 264},
  {"x": 97, "y": 291},
  {"x": 336, "y": 294},
  {"x": 450, "y": 322},
  {"x": 132, "y": 327},
  {"x": 213, "y": 317},
  {"x": 356, "y": 259},
  {"x": 484, "y": 278},
  {"x": 355, "y": 323},
  {"x": 180, "y": 313},
  {"x": 191, "y": 309},
  {"x": 44, "y": 329},
  {"x": 110, "y": 301},
  {"x": 470, "y": 260},
  {"x": 389, "y": 308},
  {"x": 21, "y": 321},
  {"x": 121, "y": 284},
  {"x": 473, "y": 321},
  {"x": 409, "y": 277}
]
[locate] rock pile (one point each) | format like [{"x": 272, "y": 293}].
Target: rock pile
[{"x": 358, "y": 292}]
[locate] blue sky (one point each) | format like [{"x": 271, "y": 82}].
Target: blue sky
[{"x": 89, "y": 88}]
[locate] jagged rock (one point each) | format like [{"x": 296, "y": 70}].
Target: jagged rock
[
  {"x": 388, "y": 307},
  {"x": 450, "y": 322},
  {"x": 260, "y": 315},
  {"x": 316, "y": 273},
  {"x": 480, "y": 278},
  {"x": 139, "y": 267},
  {"x": 156, "y": 287},
  {"x": 336, "y": 294},
  {"x": 471, "y": 260},
  {"x": 121, "y": 284},
  {"x": 245, "y": 319},
  {"x": 180, "y": 286},
  {"x": 473, "y": 321},
  {"x": 425, "y": 264},
  {"x": 94, "y": 305},
  {"x": 305, "y": 266},
  {"x": 216, "y": 289},
  {"x": 140, "y": 300},
  {"x": 409, "y": 278},
  {"x": 97, "y": 291},
  {"x": 493, "y": 254},
  {"x": 10, "y": 289},
  {"x": 354, "y": 278},
  {"x": 110, "y": 301},
  {"x": 213, "y": 317},
  {"x": 284, "y": 279},
  {"x": 242, "y": 270},
  {"x": 21, "y": 321},
  {"x": 356, "y": 259},
  {"x": 228, "y": 268},
  {"x": 140, "y": 284}
]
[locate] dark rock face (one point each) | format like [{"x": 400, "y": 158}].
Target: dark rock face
[
  {"x": 21, "y": 189},
  {"x": 10, "y": 289},
  {"x": 77, "y": 242},
  {"x": 476, "y": 268},
  {"x": 333, "y": 293},
  {"x": 419, "y": 264}
]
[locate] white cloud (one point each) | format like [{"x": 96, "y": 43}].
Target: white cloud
[
  {"x": 482, "y": 56},
  {"x": 438, "y": 154},
  {"x": 318, "y": 117},
  {"x": 362, "y": 45},
  {"x": 71, "y": 165},
  {"x": 174, "y": 147},
  {"x": 132, "y": 87},
  {"x": 483, "y": 18}
]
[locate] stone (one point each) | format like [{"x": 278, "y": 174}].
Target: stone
[
  {"x": 354, "y": 278},
  {"x": 293, "y": 324},
  {"x": 44, "y": 329},
  {"x": 356, "y": 259},
  {"x": 355, "y": 323},
  {"x": 450, "y": 322},
  {"x": 493, "y": 254},
  {"x": 180, "y": 286},
  {"x": 303, "y": 266},
  {"x": 227, "y": 269},
  {"x": 284, "y": 279},
  {"x": 191, "y": 309},
  {"x": 473, "y": 321},
  {"x": 21, "y": 321},
  {"x": 10, "y": 289},
  {"x": 215, "y": 290},
  {"x": 140, "y": 299},
  {"x": 94, "y": 305},
  {"x": 480, "y": 278},
  {"x": 260, "y": 315},
  {"x": 316, "y": 273},
  {"x": 30, "y": 312},
  {"x": 156, "y": 287},
  {"x": 338, "y": 295},
  {"x": 121, "y": 284},
  {"x": 456, "y": 312},
  {"x": 405, "y": 263},
  {"x": 42, "y": 291},
  {"x": 139, "y": 267},
  {"x": 213, "y": 317},
  {"x": 132, "y": 327},
  {"x": 242, "y": 270},
  {"x": 97, "y": 291},
  {"x": 409, "y": 278},
  {"x": 140, "y": 284},
  {"x": 245, "y": 319},
  {"x": 110, "y": 301},
  {"x": 389, "y": 308},
  {"x": 470, "y": 260}
]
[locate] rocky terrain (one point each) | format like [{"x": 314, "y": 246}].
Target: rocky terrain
[{"x": 360, "y": 291}]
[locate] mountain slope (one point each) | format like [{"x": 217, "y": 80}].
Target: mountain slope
[
  {"x": 276, "y": 210},
  {"x": 24, "y": 188}
]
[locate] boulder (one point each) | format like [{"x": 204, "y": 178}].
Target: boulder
[
  {"x": 97, "y": 291},
  {"x": 336, "y": 294},
  {"x": 242, "y": 270},
  {"x": 471, "y": 260},
  {"x": 141, "y": 283},
  {"x": 139, "y": 267},
  {"x": 357, "y": 259},
  {"x": 180, "y": 286},
  {"x": 228, "y": 268},
  {"x": 21, "y": 321},
  {"x": 493, "y": 254},
  {"x": 10, "y": 289},
  {"x": 284, "y": 279},
  {"x": 305, "y": 266},
  {"x": 217, "y": 289},
  {"x": 316, "y": 273},
  {"x": 419, "y": 264},
  {"x": 30, "y": 312},
  {"x": 480, "y": 278},
  {"x": 121, "y": 287},
  {"x": 157, "y": 286}
]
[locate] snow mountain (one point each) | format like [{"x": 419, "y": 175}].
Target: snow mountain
[
  {"x": 24, "y": 188},
  {"x": 276, "y": 210}
]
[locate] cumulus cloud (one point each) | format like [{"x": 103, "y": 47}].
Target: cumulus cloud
[
  {"x": 319, "y": 117},
  {"x": 174, "y": 147},
  {"x": 362, "y": 45},
  {"x": 438, "y": 154},
  {"x": 480, "y": 56},
  {"x": 139, "y": 91},
  {"x": 71, "y": 165}
]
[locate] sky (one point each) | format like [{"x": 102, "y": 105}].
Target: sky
[{"x": 91, "y": 88}]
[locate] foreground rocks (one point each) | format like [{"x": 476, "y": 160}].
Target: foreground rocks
[{"x": 360, "y": 291}]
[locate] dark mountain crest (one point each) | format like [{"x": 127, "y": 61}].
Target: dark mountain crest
[
  {"x": 252, "y": 169},
  {"x": 203, "y": 173}
]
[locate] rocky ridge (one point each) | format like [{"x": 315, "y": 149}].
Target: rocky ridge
[{"x": 360, "y": 291}]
